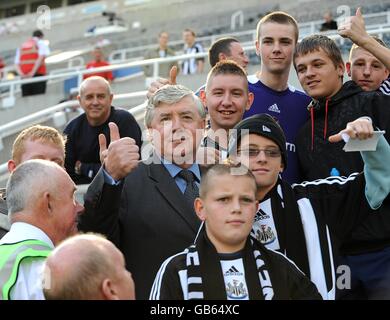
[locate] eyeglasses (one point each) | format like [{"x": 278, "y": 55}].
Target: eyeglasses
[{"x": 252, "y": 153}]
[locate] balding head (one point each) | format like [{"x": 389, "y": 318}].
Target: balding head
[
  {"x": 87, "y": 267},
  {"x": 94, "y": 80},
  {"x": 41, "y": 193},
  {"x": 95, "y": 98},
  {"x": 28, "y": 182}
]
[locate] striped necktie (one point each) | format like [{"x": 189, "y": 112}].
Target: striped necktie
[{"x": 192, "y": 191}]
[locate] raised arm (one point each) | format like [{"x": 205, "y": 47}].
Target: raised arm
[
  {"x": 121, "y": 156},
  {"x": 354, "y": 29},
  {"x": 103, "y": 198},
  {"x": 376, "y": 163}
]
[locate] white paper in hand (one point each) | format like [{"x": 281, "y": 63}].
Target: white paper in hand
[{"x": 361, "y": 145}]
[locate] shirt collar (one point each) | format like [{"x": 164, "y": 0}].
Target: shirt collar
[
  {"x": 23, "y": 231},
  {"x": 252, "y": 78},
  {"x": 174, "y": 169}
]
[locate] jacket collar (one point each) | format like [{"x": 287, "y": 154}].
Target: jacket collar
[
  {"x": 348, "y": 89},
  {"x": 166, "y": 185}
]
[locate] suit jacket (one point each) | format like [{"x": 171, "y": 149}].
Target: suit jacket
[{"x": 146, "y": 216}]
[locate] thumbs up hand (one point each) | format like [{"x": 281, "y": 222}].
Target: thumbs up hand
[
  {"x": 155, "y": 85},
  {"x": 354, "y": 29},
  {"x": 121, "y": 156}
]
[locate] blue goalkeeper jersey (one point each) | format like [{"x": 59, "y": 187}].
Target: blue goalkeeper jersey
[{"x": 289, "y": 108}]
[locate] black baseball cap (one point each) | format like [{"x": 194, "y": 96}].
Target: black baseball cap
[{"x": 264, "y": 125}]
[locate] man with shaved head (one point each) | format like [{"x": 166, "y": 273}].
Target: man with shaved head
[{"x": 87, "y": 267}]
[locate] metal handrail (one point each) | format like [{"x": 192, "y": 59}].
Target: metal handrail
[
  {"x": 14, "y": 126},
  {"x": 312, "y": 26},
  {"x": 155, "y": 62},
  {"x": 138, "y": 63},
  {"x": 41, "y": 116},
  {"x": 13, "y": 84},
  {"x": 174, "y": 43}
]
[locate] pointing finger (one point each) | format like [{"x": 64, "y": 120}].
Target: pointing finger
[{"x": 335, "y": 138}]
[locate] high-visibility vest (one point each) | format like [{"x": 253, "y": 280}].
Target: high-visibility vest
[
  {"x": 29, "y": 53},
  {"x": 11, "y": 256}
]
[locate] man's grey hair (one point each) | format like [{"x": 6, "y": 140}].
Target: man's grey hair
[
  {"x": 94, "y": 78},
  {"x": 25, "y": 183},
  {"x": 171, "y": 94}
]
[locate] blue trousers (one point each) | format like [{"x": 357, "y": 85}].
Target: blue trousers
[{"x": 370, "y": 276}]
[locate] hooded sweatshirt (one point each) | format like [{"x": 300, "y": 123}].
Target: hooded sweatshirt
[{"x": 319, "y": 158}]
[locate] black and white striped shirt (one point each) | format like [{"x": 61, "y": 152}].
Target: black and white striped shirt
[
  {"x": 190, "y": 66},
  {"x": 385, "y": 87}
]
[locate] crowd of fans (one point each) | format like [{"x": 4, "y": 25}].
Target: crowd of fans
[{"x": 247, "y": 193}]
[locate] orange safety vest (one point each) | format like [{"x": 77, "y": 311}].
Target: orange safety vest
[{"x": 28, "y": 56}]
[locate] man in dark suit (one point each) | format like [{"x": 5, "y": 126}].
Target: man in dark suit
[{"x": 146, "y": 208}]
